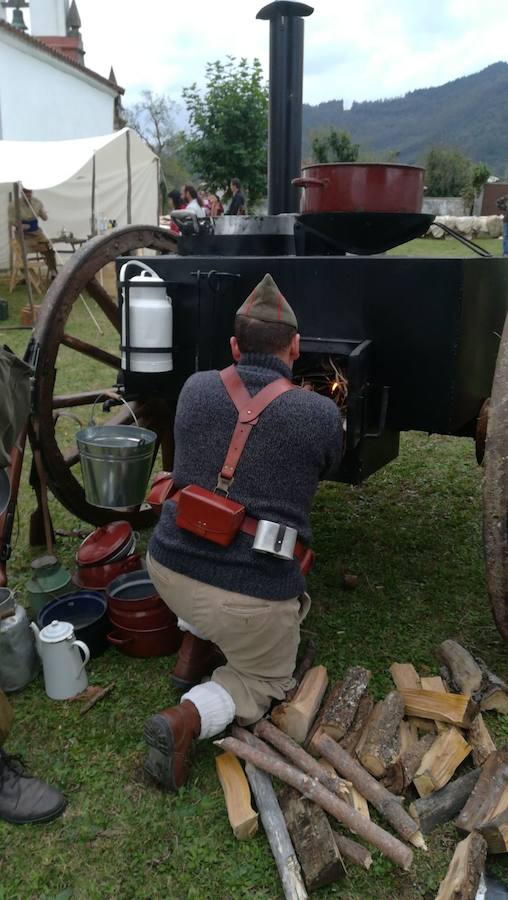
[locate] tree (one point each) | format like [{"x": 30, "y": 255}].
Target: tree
[
  {"x": 479, "y": 175},
  {"x": 334, "y": 146},
  {"x": 447, "y": 172},
  {"x": 153, "y": 119},
  {"x": 229, "y": 126}
]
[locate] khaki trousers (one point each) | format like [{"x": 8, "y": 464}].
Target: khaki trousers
[
  {"x": 5, "y": 717},
  {"x": 259, "y": 638}
]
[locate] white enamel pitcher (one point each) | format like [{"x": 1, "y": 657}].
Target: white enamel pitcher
[{"x": 64, "y": 668}]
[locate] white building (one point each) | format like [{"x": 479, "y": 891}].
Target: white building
[{"x": 46, "y": 92}]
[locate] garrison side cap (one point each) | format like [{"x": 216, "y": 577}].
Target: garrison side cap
[{"x": 267, "y": 304}]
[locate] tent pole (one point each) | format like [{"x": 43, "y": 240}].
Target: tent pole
[
  {"x": 21, "y": 239},
  {"x": 93, "y": 220},
  {"x": 129, "y": 179},
  {"x": 159, "y": 192}
]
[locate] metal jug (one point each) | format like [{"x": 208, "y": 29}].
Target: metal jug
[
  {"x": 18, "y": 659},
  {"x": 64, "y": 669}
]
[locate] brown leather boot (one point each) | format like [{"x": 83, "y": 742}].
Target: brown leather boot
[
  {"x": 196, "y": 658},
  {"x": 169, "y": 735}
]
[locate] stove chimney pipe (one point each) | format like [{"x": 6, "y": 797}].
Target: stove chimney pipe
[{"x": 285, "y": 114}]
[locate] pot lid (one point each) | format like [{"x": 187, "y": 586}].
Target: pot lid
[
  {"x": 103, "y": 543},
  {"x": 57, "y": 631},
  {"x": 43, "y": 562}
]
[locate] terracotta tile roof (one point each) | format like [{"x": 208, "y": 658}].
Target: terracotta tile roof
[{"x": 39, "y": 45}]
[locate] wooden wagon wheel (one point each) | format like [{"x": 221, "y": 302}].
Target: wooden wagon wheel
[
  {"x": 495, "y": 491},
  {"x": 52, "y": 332}
]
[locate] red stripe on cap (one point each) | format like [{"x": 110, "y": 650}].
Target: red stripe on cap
[{"x": 279, "y": 306}]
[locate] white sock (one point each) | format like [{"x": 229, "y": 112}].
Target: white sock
[
  {"x": 185, "y": 626},
  {"x": 215, "y": 706}
]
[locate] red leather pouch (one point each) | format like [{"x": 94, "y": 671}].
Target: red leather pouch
[{"x": 209, "y": 515}]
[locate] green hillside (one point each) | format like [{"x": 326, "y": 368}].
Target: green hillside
[{"x": 470, "y": 113}]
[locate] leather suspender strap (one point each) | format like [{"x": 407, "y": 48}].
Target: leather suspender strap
[{"x": 249, "y": 409}]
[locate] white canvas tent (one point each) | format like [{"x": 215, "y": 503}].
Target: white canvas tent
[{"x": 113, "y": 176}]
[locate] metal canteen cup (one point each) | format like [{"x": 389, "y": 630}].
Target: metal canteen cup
[
  {"x": 64, "y": 669},
  {"x": 276, "y": 539}
]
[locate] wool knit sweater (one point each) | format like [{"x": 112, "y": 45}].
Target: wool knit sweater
[{"x": 296, "y": 442}]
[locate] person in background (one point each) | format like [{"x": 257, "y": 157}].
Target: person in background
[
  {"x": 502, "y": 205},
  {"x": 176, "y": 202},
  {"x": 31, "y": 210},
  {"x": 216, "y": 207},
  {"x": 237, "y": 205},
  {"x": 191, "y": 201},
  {"x": 23, "y": 799}
]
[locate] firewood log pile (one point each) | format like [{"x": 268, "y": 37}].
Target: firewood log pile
[{"x": 337, "y": 755}]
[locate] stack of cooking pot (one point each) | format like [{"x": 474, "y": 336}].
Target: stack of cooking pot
[
  {"x": 142, "y": 623},
  {"x": 105, "y": 554}
]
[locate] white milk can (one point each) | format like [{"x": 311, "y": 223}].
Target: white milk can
[
  {"x": 64, "y": 668},
  {"x": 150, "y": 322}
]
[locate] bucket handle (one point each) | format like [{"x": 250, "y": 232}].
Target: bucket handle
[{"x": 114, "y": 397}]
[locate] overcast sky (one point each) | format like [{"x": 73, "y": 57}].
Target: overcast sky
[{"x": 360, "y": 50}]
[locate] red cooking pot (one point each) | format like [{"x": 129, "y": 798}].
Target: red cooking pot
[
  {"x": 152, "y": 642},
  {"x": 100, "y": 576},
  {"x": 361, "y": 187},
  {"x": 143, "y": 624}
]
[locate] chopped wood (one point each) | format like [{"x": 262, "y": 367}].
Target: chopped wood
[
  {"x": 463, "y": 875},
  {"x": 353, "y": 851},
  {"x": 441, "y": 806},
  {"x": 359, "y": 802},
  {"x": 408, "y": 735},
  {"x": 303, "y": 666},
  {"x": 99, "y": 695},
  {"x": 313, "y": 790},
  {"x": 495, "y": 832},
  {"x": 405, "y": 677},
  {"x": 423, "y": 726},
  {"x": 400, "y": 774},
  {"x": 455, "y": 709},
  {"x": 493, "y": 691},
  {"x": 380, "y": 742},
  {"x": 242, "y": 734},
  {"x": 440, "y": 761},
  {"x": 480, "y": 740},
  {"x": 275, "y": 827},
  {"x": 351, "y": 739},
  {"x": 296, "y": 717},
  {"x": 242, "y": 818},
  {"x": 466, "y": 674},
  {"x": 375, "y": 793},
  {"x": 313, "y": 840},
  {"x": 300, "y": 758},
  {"x": 488, "y": 794},
  {"x": 433, "y": 683},
  {"x": 340, "y": 708}
]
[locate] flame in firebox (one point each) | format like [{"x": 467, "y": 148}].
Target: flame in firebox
[{"x": 334, "y": 386}]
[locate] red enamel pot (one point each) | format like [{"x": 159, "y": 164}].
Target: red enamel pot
[
  {"x": 100, "y": 576},
  {"x": 152, "y": 642},
  {"x": 361, "y": 187},
  {"x": 143, "y": 625}
]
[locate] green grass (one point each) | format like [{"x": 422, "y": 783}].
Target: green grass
[{"x": 412, "y": 534}]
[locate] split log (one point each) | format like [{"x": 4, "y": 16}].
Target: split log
[
  {"x": 313, "y": 790},
  {"x": 408, "y": 735},
  {"x": 380, "y": 741},
  {"x": 339, "y": 710},
  {"x": 351, "y": 739},
  {"x": 375, "y": 793},
  {"x": 480, "y": 740},
  {"x": 400, "y": 774},
  {"x": 495, "y": 833},
  {"x": 242, "y": 818},
  {"x": 303, "y": 666},
  {"x": 353, "y": 851},
  {"x": 493, "y": 691},
  {"x": 440, "y": 761},
  {"x": 435, "y": 683},
  {"x": 489, "y": 793},
  {"x": 463, "y": 875},
  {"x": 443, "y": 805},
  {"x": 465, "y": 672},
  {"x": 300, "y": 758},
  {"x": 296, "y": 717},
  {"x": 313, "y": 840},
  {"x": 275, "y": 827},
  {"x": 358, "y": 802},
  {"x": 405, "y": 677},
  {"x": 455, "y": 709},
  {"x": 423, "y": 726}
]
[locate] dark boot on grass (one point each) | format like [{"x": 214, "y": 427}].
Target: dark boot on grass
[
  {"x": 169, "y": 735},
  {"x": 23, "y": 799},
  {"x": 196, "y": 659}
]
